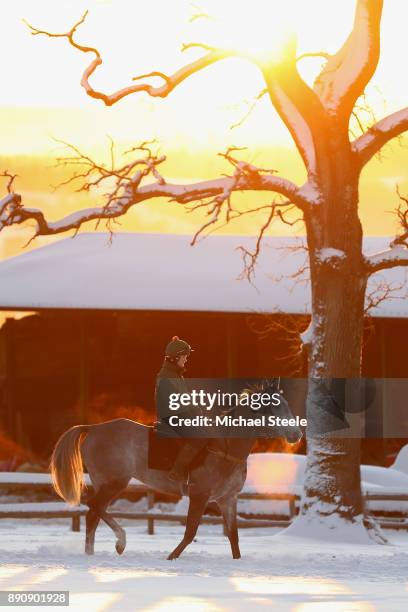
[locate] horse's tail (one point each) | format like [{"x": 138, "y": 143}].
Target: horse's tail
[{"x": 66, "y": 464}]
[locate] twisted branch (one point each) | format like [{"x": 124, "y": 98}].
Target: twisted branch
[{"x": 161, "y": 91}]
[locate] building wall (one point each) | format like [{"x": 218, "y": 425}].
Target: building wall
[{"x": 61, "y": 368}]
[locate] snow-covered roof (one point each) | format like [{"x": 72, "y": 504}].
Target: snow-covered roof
[{"x": 163, "y": 272}]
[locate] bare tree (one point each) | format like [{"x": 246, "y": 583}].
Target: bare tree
[{"x": 318, "y": 118}]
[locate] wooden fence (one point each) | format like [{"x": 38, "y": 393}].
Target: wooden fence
[{"x": 42, "y": 482}]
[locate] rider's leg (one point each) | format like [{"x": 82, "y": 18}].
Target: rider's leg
[{"x": 185, "y": 456}]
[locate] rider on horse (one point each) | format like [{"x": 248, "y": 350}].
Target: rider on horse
[{"x": 169, "y": 380}]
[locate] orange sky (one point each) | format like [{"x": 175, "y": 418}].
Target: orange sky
[{"x": 42, "y": 98}]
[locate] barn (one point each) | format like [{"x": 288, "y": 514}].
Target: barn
[{"x": 101, "y": 308}]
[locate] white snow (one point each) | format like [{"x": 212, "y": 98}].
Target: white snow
[
  {"x": 311, "y": 192},
  {"x": 75, "y": 272},
  {"x": 302, "y": 130},
  {"x": 307, "y": 335},
  {"x": 276, "y": 571},
  {"x": 395, "y": 254},
  {"x": 401, "y": 461},
  {"x": 40, "y": 479},
  {"x": 330, "y": 253},
  {"x": 24, "y": 478},
  {"x": 284, "y": 472},
  {"x": 41, "y": 507},
  {"x": 384, "y": 126}
]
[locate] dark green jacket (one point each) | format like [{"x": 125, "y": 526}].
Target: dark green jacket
[{"x": 170, "y": 380}]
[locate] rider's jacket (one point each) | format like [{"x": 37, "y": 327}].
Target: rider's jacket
[{"x": 170, "y": 380}]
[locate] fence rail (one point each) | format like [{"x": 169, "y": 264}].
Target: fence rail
[{"x": 30, "y": 482}]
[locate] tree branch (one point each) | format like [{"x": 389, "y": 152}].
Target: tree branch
[
  {"x": 161, "y": 91},
  {"x": 345, "y": 75},
  {"x": 298, "y": 106},
  {"x": 250, "y": 258},
  {"x": 397, "y": 254},
  {"x": 11, "y": 203},
  {"x": 390, "y": 258},
  {"x": 378, "y": 135},
  {"x": 129, "y": 191},
  {"x": 314, "y": 54},
  {"x": 382, "y": 292},
  {"x": 250, "y": 109},
  {"x": 294, "y": 100}
]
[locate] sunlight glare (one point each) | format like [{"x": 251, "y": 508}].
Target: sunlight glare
[
  {"x": 9, "y": 572},
  {"x": 47, "y": 576},
  {"x": 93, "y": 602},
  {"x": 283, "y": 474},
  {"x": 178, "y": 604},
  {"x": 256, "y": 30},
  {"x": 105, "y": 575},
  {"x": 335, "y": 606},
  {"x": 289, "y": 585}
]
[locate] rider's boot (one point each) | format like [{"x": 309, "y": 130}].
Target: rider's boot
[{"x": 185, "y": 456}]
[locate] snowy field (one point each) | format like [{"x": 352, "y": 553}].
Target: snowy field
[{"x": 276, "y": 572}]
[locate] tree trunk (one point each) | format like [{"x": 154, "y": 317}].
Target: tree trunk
[
  {"x": 332, "y": 483},
  {"x": 332, "y": 489}
]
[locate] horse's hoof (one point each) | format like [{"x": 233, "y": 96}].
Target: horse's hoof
[
  {"x": 171, "y": 557},
  {"x": 121, "y": 543},
  {"x": 89, "y": 550},
  {"x": 120, "y": 547}
]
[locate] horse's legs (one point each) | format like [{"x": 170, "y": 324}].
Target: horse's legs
[
  {"x": 228, "y": 507},
  {"x": 92, "y": 520},
  {"x": 117, "y": 529},
  {"x": 97, "y": 510},
  {"x": 196, "y": 508}
]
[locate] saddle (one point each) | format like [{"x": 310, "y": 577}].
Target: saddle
[{"x": 162, "y": 452}]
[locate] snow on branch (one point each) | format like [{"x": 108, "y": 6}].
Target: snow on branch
[
  {"x": 345, "y": 75},
  {"x": 390, "y": 258},
  {"x": 397, "y": 254},
  {"x": 330, "y": 256},
  {"x": 298, "y": 106},
  {"x": 379, "y": 134},
  {"x": 126, "y": 188},
  {"x": 161, "y": 91}
]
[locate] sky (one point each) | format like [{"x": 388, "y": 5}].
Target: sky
[{"x": 42, "y": 99}]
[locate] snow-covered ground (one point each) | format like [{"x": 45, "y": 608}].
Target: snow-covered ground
[{"x": 276, "y": 572}]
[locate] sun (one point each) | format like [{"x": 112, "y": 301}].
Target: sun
[
  {"x": 255, "y": 29},
  {"x": 264, "y": 29}
]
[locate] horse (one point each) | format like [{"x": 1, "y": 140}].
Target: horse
[{"x": 117, "y": 450}]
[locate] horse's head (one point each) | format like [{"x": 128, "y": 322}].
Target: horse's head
[{"x": 291, "y": 433}]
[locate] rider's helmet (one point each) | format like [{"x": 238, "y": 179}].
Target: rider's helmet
[{"x": 176, "y": 347}]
